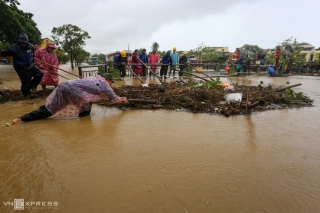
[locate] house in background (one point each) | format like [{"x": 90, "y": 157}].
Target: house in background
[
  {"x": 220, "y": 49},
  {"x": 44, "y": 42},
  {"x": 308, "y": 51},
  {"x": 317, "y": 55}
]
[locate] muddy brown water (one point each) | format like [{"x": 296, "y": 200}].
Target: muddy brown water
[{"x": 162, "y": 161}]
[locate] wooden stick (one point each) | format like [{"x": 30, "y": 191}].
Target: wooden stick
[
  {"x": 52, "y": 72},
  {"x": 194, "y": 75},
  {"x": 63, "y": 77},
  {"x": 150, "y": 70},
  {"x": 284, "y": 88},
  {"x": 59, "y": 68},
  {"x": 141, "y": 101},
  {"x": 201, "y": 73},
  {"x": 135, "y": 74}
]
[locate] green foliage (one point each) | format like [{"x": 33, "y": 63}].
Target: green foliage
[
  {"x": 270, "y": 59},
  {"x": 204, "y": 53},
  {"x": 155, "y": 46},
  {"x": 62, "y": 57},
  {"x": 260, "y": 85},
  {"x": 162, "y": 53},
  {"x": 70, "y": 38},
  {"x": 12, "y": 3},
  {"x": 216, "y": 84},
  {"x": 258, "y": 69},
  {"x": 232, "y": 69},
  {"x": 297, "y": 58},
  {"x": 101, "y": 57},
  {"x": 15, "y": 21},
  {"x": 3, "y": 45},
  {"x": 81, "y": 55},
  {"x": 287, "y": 83}
]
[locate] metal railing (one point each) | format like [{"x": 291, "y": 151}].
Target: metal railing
[{"x": 84, "y": 72}]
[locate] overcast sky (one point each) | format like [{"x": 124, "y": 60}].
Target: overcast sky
[{"x": 184, "y": 24}]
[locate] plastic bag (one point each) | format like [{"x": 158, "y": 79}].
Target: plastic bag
[{"x": 233, "y": 97}]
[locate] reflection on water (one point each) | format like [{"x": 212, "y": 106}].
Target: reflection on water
[{"x": 165, "y": 161}]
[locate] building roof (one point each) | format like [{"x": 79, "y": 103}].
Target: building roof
[
  {"x": 308, "y": 49},
  {"x": 304, "y": 43}
]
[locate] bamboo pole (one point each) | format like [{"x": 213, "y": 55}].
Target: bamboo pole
[
  {"x": 58, "y": 68},
  {"x": 201, "y": 73},
  {"x": 194, "y": 75},
  {"x": 134, "y": 74},
  {"x": 284, "y": 88},
  {"x": 150, "y": 70}
]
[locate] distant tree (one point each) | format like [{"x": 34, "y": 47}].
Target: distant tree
[
  {"x": 295, "y": 49},
  {"x": 62, "y": 56},
  {"x": 198, "y": 52},
  {"x": 70, "y": 38},
  {"x": 286, "y": 57},
  {"x": 15, "y": 21},
  {"x": 204, "y": 53},
  {"x": 154, "y": 46},
  {"x": 101, "y": 57},
  {"x": 80, "y": 55},
  {"x": 161, "y": 53}
]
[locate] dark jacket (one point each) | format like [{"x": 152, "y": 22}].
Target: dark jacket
[
  {"x": 167, "y": 60},
  {"x": 143, "y": 58},
  {"x": 182, "y": 61},
  {"x": 22, "y": 57},
  {"x": 121, "y": 59},
  {"x": 115, "y": 61}
]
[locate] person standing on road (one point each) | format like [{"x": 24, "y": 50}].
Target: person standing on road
[
  {"x": 115, "y": 65},
  {"x": 23, "y": 54},
  {"x": 175, "y": 60},
  {"x": 144, "y": 58},
  {"x": 47, "y": 61},
  {"x": 122, "y": 62},
  {"x": 166, "y": 61},
  {"x": 183, "y": 63},
  {"x": 135, "y": 60},
  {"x": 154, "y": 59}
]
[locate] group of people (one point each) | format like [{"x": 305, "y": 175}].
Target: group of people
[
  {"x": 244, "y": 64},
  {"x": 70, "y": 98},
  {"x": 141, "y": 61},
  {"x": 33, "y": 65},
  {"x": 272, "y": 70}
]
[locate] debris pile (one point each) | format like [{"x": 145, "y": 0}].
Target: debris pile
[
  {"x": 191, "y": 97},
  {"x": 16, "y": 95},
  {"x": 183, "y": 96}
]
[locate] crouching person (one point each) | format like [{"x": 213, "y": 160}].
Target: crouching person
[{"x": 75, "y": 97}]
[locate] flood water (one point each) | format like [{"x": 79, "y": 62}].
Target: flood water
[{"x": 163, "y": 161}]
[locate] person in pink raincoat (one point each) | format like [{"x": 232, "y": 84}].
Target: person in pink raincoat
[
  {"x": 74, "y": 98},
  {"x": 153, "y": 59},
  {"x": 43, "y": 59},
  {"x": 137, "y": 69}
]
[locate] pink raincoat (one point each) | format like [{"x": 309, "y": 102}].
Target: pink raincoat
[
  {"x": 74, "y": 96},
  {"x": 137, "y": 69},
  {"x": 154, "y": 59},
  {"x": 50, "y": 77}
]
